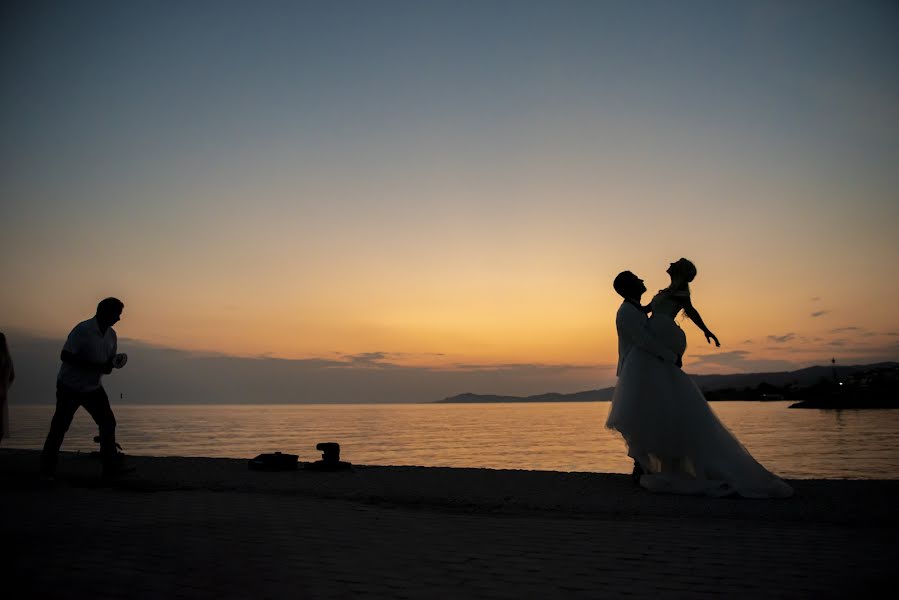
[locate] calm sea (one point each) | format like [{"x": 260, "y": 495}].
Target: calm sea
[{"x": 552, "y": 436}]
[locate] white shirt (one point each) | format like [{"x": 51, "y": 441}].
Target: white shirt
[
  {"x": 631, "y": 325},
  {"x": 89, "y": 343}
]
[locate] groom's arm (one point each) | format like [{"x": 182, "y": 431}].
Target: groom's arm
[{"x": 632, "y": 324}]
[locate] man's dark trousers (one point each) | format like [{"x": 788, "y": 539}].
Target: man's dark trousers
[{"x": 68, "y": 401}]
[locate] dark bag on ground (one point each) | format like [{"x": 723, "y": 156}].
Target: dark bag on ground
[{"x": 274, "y": 462}]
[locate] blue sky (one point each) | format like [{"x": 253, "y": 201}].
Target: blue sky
[{"x": 454, "y": 179}]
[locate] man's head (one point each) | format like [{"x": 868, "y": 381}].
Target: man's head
[
  {"x": 109, "y": 311},
  {"x": 629, "y": 286}
]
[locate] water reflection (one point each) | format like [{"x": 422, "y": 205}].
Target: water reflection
[{"x": 553, "y": 436}]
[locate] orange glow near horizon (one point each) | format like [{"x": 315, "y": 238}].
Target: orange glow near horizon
[
  {"x": 449, "y": 323},
  {"x": 448, "y": 204}
]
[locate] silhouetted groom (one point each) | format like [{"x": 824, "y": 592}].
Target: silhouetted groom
[{"x": 630, "y": 321}]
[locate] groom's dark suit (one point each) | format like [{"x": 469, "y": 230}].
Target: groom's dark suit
[{"x": 631, "y": 325}]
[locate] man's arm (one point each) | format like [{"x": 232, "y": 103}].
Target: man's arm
[{"x": 632, "y": 324}]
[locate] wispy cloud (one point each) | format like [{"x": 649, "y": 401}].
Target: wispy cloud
[
  {"x": 164, "y": 375},
  {"x": 369, "y": 359},
  {"x": 845, "y": 329},
  {"x": 819, "y": 313},
  {"x": 780, "y": 339},
  {"x": 736, "y": 361},
  {"x": 730, "y": 355},
  {"x": 532, "y": 368}
]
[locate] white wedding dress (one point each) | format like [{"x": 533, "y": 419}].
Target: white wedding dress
[{"x": 670, "y": 429}]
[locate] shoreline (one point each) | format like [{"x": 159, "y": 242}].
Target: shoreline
[{"x": 844, "y": 501}]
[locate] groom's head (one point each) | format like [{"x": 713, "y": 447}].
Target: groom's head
[{"x": 629, "y": 286}]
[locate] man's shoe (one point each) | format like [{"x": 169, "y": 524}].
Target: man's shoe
[
  {"x": 637, "y": 473},
  {"x": 46, "y": 471},
  {"x": 117, "y": 471}
]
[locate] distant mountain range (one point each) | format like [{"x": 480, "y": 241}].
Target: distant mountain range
[
  {"x": 601, "y": 395},
  {"x": 712, "y": 385}
]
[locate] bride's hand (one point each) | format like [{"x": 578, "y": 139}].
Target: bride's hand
[{"x": 709, "y": 336}]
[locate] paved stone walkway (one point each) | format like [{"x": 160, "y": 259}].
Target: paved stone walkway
[{"x": 78, "y": 539}]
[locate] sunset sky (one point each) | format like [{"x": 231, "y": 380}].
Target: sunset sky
[{"x": 453, "y": 185}]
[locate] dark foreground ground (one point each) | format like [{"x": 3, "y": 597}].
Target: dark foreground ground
[{"x": 210, "y": 528}]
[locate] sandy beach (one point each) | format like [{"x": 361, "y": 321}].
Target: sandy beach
[{"x": 211, "y": 528}]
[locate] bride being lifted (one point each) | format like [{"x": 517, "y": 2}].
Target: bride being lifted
[{"x": 677, "y": 443}]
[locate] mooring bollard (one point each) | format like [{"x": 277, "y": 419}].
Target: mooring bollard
[
  {"x": 330, "y": 451},
  {"x": 330, "y": 458}
]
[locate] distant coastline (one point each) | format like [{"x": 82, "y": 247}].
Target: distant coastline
[
  {"x": 781, "y": 385},
  {"x": 602, "y": 395}
]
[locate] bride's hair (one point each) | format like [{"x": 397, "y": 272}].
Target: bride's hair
[{"x": 689, "y": 269}]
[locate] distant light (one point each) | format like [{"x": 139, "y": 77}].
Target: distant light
[{"x": 841, "y": 383}]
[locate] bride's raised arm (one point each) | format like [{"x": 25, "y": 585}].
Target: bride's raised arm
[{"x": 694, "y": 316}]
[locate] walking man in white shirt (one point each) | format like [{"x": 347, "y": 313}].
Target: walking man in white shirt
[{"x": 89, "y": 353}]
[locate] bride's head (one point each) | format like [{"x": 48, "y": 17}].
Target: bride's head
[{"x": 682, "y": 272}]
